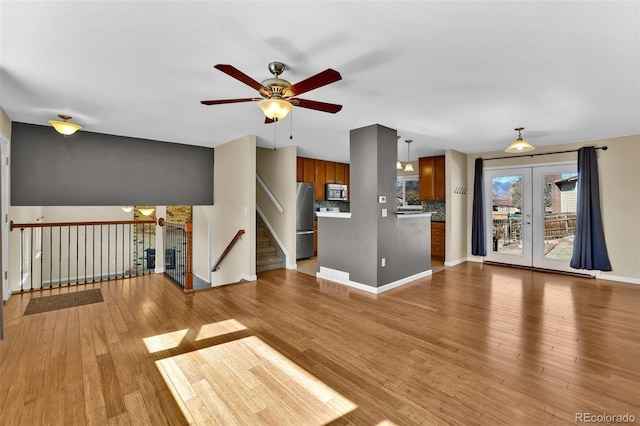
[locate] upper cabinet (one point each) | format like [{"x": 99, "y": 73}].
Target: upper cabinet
[
  {"x": 432, "y": 178},
  {"x": 321, "y": 172}
]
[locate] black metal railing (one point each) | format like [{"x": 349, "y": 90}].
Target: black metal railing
[
  {"x": 66, "y": 253},
  {"x": 178, "y": 239}
]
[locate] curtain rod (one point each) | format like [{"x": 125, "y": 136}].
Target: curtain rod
[{"x": 604, "y": 148}]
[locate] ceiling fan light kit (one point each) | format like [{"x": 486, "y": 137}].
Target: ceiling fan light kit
[
  {"x": 278, "y": 93},
  {"x": 276, "y": 108},
  {"x": 64, "y": 127},
  {"x": 519, "y": 145}
]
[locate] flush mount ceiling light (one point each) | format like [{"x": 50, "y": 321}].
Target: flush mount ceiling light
[
  {"x": 146, "y": 212},
  {"x": 519, "y": 145},
  {"x": 64, "y": 127},
  {"x": 408, "y": 167}
]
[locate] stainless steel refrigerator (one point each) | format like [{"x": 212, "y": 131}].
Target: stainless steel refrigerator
[{"x": 305, "y": 195}]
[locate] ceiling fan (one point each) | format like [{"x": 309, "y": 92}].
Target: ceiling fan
[{"x": 278, "y": 95}]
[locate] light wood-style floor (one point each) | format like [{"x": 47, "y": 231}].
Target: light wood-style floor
[{"x": 472, "y": 344}]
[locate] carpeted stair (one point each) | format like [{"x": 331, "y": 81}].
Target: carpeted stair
[{"x": 268, "y": 254}]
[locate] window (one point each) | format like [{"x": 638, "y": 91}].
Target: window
[{"x": 407, "y": 193}]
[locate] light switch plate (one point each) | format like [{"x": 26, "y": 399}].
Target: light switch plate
[{"x": 384, "y": 212}]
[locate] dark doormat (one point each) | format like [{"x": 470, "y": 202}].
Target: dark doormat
[{"x": 38, "y": 305}]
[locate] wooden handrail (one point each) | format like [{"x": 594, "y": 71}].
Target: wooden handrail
[
  {"x": 50, "y": 224},
  {"x": 228, "y": 249}
]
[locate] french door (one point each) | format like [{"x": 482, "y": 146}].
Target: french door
[{"x": 530, "y": 215}]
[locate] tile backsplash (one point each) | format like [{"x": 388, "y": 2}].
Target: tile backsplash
[
  {"x": 342, "y": 205},
  {"x": 435, "y": 206}
]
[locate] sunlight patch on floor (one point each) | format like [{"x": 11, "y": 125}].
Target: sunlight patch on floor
[
  {"x": 219, "y": 328},
  {"x": 246, "y": 381},
  {"x": 165, "y": 341}
]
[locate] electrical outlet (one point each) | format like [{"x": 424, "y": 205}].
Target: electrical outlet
[{"x": 384, "y": 262}]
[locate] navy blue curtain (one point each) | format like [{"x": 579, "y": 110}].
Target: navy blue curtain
[
  {"x": 478, "y": 239},
  {"x": 589, "y": 247}
]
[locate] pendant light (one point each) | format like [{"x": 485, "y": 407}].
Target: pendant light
[
  {"x": 408, "y": 167},
  {"x": 64, "y": 127},
  {"x": 519, "y": 145},
  {"x": 398, "y": 163}
]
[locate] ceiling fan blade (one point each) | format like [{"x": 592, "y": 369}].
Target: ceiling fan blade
[
  {"x": 239, "y": 75},
  {"x": 319, "y": 106},
  {"x": 229, "y": 101},
  {"x": 321, "y": 79}
]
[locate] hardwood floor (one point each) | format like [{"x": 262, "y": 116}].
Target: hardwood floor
[{"x": 472, "y": 344}]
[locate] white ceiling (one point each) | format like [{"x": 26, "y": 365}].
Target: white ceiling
[{"x": 446, "y": 74}]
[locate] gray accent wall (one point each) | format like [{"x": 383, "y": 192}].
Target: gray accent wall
[
  {"x": 94, "y": 169},
  {"x": 358, "y": 244}
]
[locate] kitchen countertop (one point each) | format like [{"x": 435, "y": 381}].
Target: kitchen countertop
[{"x": 335, "y": 215}]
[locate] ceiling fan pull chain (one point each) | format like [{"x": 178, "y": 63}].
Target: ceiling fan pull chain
[{"x": 291, "y": 129}]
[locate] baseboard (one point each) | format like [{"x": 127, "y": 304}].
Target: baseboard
[
  {"x": 605, "y": 276},
  {"x": 456, "y": 262},
  {"x": 342, "y": 277},
  {"x": 294, "y": 266},
  {"x": 245, "y": 277}
]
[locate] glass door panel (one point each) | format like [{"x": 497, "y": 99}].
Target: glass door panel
[
  {"x": 508, "y": 216},
  {"x": 554, "y": 214}
]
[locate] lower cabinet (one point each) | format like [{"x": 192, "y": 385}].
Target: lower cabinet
[{"x": 438, "y": 240}]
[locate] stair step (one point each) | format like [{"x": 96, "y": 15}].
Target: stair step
[{"x": 269, "y": 260}]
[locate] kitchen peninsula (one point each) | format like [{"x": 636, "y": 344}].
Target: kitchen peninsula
[{"x": 373, "y": 248}]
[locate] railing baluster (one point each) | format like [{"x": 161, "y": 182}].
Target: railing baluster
[
  {"x": 31, "y": 258},
  {"x": 85, "y": 254},
  {"x": 21, "y": 259},
  {"x": 60, "y": 256},
  {"x": 41, "y": 258}
]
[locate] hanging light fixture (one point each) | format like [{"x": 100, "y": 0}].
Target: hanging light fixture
[
  {"x": 146, "y": 212},
  {"x": 127, "y": 209},
  {"x": 408, "y": 167},
  {"x": 64, "y": 127},
  {"x": 519, "y": 145},
  {"x": 398, "y": 163},
  {"x": 275, "y": 108}
]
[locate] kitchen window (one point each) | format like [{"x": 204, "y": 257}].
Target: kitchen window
[{"x": 407, "y": 193}]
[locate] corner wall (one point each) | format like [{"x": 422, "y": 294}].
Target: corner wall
[
  {"x": 234, "y": 208},
  {"x": 456, "y": 213}
]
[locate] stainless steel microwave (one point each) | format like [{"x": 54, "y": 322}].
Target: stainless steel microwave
[{"x": 335, "y": 192}]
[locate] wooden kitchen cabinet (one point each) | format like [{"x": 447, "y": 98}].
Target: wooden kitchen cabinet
[
  {"x": 321, "y": 172},
  {"x": 340, "y": 173},
  {"x": 438, "y": 240},
  {"x": 432, "y": 178},
  {"x": 329, "y": 172},
  {"x": 308, "y": 170},
  {"x": 320, "y": 179}
]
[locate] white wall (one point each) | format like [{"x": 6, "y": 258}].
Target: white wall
[
  {"x": 234, "y": 209},
  {"x": 619, "y": 170},
  {"x": 278, "y": 170},
  {"x": 456, "y": 214}
]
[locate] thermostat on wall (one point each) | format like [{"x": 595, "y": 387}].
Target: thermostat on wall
[{"x": 382, "y": 199}]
